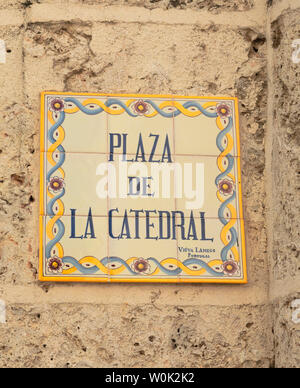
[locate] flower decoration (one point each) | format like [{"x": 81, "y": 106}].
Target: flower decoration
[
  {"x": 55, "y": 265},
  {"x": 141, "y": 266},
  {"x": 141, "y": 107},
  {"x": 56, "y": 105},
  {"x": 56, "y": 184},
  {"x": 226, "y": 187},
  {"x": 231, "y": 268},
  {"x": 223, "y": 110}
]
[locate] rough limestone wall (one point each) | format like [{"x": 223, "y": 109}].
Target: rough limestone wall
[
  {"x": 215, "y": 47},
  {"x": 211, "y": 5},
  {"x": 285, "y": 265}
]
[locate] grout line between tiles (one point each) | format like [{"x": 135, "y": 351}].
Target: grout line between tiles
[
  {"x": 142, "y": 217},
  {"x": 132, "y": 154},
  {"x": 176, "y": 199},
  {"x": 107, "y": 199}
]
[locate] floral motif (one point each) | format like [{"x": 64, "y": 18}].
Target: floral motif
[
  {"x": 56, "y": 184},
  {"x": 141, "y": 266},
  {"x": 55, "y": 265},
  {"x": 231, "y": 268},
  {"x": 141, "y": 107},
  {"x": 56, "y": 105},
  {"x": 226, "y": 187},
  {"x": 223, "y": 110}
]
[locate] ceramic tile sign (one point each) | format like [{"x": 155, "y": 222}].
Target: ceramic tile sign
[{"x": 140, "y": 189}]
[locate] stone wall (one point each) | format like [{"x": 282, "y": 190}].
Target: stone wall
[
  {"x": 186, "y": 47},
  {"x": 285, "y": 103}
]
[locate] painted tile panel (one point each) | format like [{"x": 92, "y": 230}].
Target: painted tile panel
[{"x": 140, "y": 189}]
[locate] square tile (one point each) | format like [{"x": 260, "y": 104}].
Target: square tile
[
  {"x": 206, "y": 127},
  {"x": 73, "y": 182},
  {"x": 74, "y": 123},
  {"x": 210, "y": 185},
  {"x": 73, "y": 248},
  {"x": 141, "y": 128},
  {"x": 143, "y": 249},
  {"x": 147, "y": 186},
  {"x": 212, "y": 250}
]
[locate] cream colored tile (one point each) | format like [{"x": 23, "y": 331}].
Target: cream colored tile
[
  {"x": 141, "y": 186},
  {"x": 134, "y": 134},
  {"x": 142, "y": 248},
  {"x": 72, "y": 179},
  {"x": 77, "y": 244},
  {"x": 203, "y": 187},
  {"x": 75, "y": 123},
  {"x": 207, "y": 246},
  {"x": 200, "y": 128}
]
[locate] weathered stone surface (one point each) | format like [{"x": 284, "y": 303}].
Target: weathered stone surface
[
  {"x": 9, "y": 3},
  {"x": 211, "y": 5},
  {"x": 286, "y": 184},
  {"x": 286, "y": 147},
  {"x": 62, "y": 335},
  {"x": 18, "y": 197},
  {"x": 287, "y": 332},
  {"x": 86, "y": 57},
  {"x": 11, "y": 74}
]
